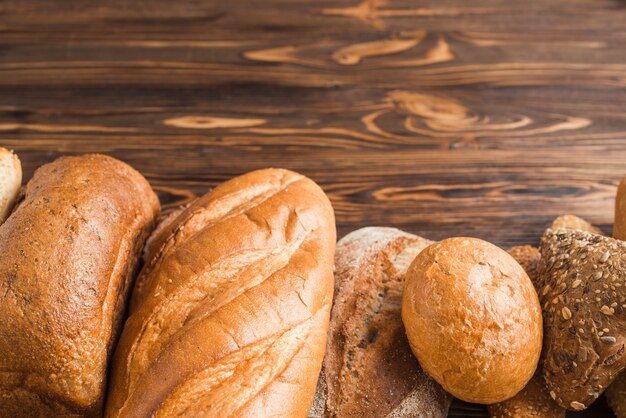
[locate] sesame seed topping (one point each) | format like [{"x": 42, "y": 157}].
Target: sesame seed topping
[{"x": 576, "y": 283}]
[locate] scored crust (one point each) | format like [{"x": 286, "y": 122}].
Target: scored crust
[
  {"x": 584, "y": 305},
  {"x": 533, "y": 401},
  {"x": 369, "y": 370},
  {"x": 231, "y": 309}
]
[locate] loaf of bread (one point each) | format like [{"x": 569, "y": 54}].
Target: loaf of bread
[
  {"x": 574, "y": 222},
  {"x": 616, "y": 393},
  {"x": 68, "y": 254},
  {"x": 10, "y": 181},
  {"x": 369, "y": 370},
  {"x": 533, "y": 401},
  {"x": 584, "y": 308},
  {"x": 473, "y": 319},
  {"x": 230, "y": 313}
]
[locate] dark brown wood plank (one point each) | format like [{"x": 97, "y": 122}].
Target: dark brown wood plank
[{"x": 440, "y": 117}]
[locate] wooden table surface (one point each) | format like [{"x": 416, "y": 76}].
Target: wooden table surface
[{"x": 440, "y": 117}]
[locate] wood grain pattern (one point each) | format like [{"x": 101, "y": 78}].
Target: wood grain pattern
[{"x": 442, "y": 118}]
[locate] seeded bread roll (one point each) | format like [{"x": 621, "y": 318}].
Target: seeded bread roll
[
  {"x": 68, "y": 253},
  {"x": 10, "y": 181},
  {"x": 584, "y": 306},
  {"x": 369, "y": 370},
  {"x": 616, "y": 393},
  {"x": 230, "y": 313},
  {"x": 533, "y": 401},
  {"x": 574, "y": 222},
  {"x": 473, "y": 319}
]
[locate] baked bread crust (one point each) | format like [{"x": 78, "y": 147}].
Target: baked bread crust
[
  {"x": 473, "y": 319},
  {"x": 68, "y": 253},
  {"x": 230, "y": 313},
  {"x": 369, "y": 369},
  {"x": 619, "y": 226},
  {"x": 533, "y": 401},
  {"x": 616, "y": 393},
  {"x": 584, "y": 305},
  {"x": 574, "y": 222},
  {"x": 10, "y": 181}
]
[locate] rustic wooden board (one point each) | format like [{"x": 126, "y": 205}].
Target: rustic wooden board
[{"x": 439, "y": 117}]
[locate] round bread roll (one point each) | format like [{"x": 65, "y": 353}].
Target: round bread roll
[{"x": 473, "y": 319}]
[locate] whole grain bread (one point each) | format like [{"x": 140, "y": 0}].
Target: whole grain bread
[
  {"x": 230, "y": 313},
  {"x": 68, "y": 253},
  {"x": 584, "y": 307},
  {"x": 10, "y": 181},
  {"x": 369, "y": 370},
  {"x": 570, "y": 221},
  {"x": 616, "y": 392},
  {"x": 533, "y": 401}
]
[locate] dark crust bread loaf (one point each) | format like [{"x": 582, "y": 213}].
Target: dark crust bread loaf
[
  {"x": 230, "y": 313},
  {"x": 533, "y": 401},
  {"x": 369, "y": 369},
  {"x": 473, "y": 319},
  {"x": 68, "y": 253},
  {"x": 584, "y": 306},
  {"x": 616, "y": 393},
  {"x": 10, "y": 181}
]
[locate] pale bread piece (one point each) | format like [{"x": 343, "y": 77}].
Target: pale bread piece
[
  {"x": 10, "y": 181},
  {"x": 369, "y": 370}
]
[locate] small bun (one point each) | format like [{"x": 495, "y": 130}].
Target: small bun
[{"x": 473, "y": 319}]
